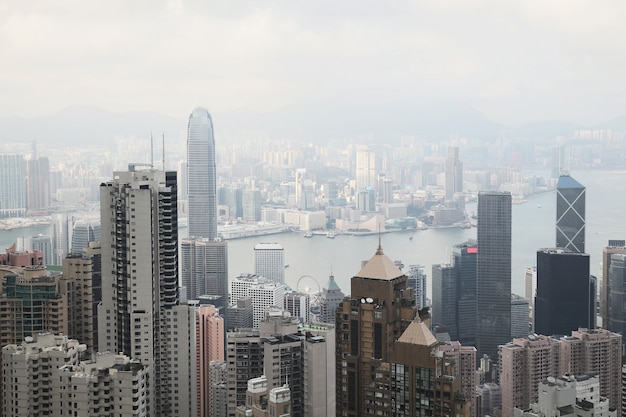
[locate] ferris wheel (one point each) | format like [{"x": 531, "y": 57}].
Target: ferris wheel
[{"x": 309, "y": 285}]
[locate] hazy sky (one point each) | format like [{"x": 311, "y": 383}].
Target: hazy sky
[{"x": 515, "y": 61}]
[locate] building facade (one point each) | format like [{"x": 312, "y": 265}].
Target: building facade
[
  {"x": 12, "y": 186},
  {"x": 269, "y": 261},
  {"x": 493, "y": 272},
  {"x": 570, "y": 214},
  {"x": 204, "y": 267}
]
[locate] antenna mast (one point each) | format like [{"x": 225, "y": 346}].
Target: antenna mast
[
  {"x": 163, "y": 133},
  {"x": 151, "y": 151}
]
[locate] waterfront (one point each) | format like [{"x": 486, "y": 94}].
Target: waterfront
[{"x": 533, "y": 228}]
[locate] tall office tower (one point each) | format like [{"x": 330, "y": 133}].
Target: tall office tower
[
  {"x": 218, "y": 400},
  {"x": 202, "y": 175},
  {"x": 465, "y": 358},
  {"x": 240, "y": 315},
  {"x": 380, "y": 308},
  {"x": 263, "y": 293},
  {"x": 493, "y": 272},
  {"x": 597, "y": 351},
  {"x": 617, "y": 294},
  {"x": 300, "y": 199},
  {"x": 204, "y": 267},
  {"x": 85, "y": 231},
  {"x": 232, "y": 197},
  {"x": 614, "y": 247},
  {"x": 464, "y": 259},
  {"x": 490, "y": 395},
  {"x": 251, "y": 205},
  {"x": 62, "y": 228},
  {"x": 366, "y": 200},
  {"x": 530, "y": 290},
  {"x": 454, "y": 173},
  {"x": 82, "y": 285},
  {"x": 524, "y": 363},
  {"x": 330, "y": 299},
  {"x": 565, "y": 297},
  {"x": 244, "y": 358},
  {"x": 37, "y": 184},
  {"x": 44, "y": 244},
  {"x": 210, "y": 348},
  {"x": 30, "y": 304},
  {"x": 520, "y": 327},
  {"x": 12, "y": 186},
  {"x": 44, "y": 375},
  {"x": 365, "y": 169},
  {"x": 417, "y": 281},
  {"x": 269, "y": 261},
  {"x": 570, "y": 214},
  {"x": 298, "y": 304},
  {"x": 138, "y": 211},
  {"x": 444, "y": 312},
  {"x": 264, "y": 401},
  {"x": 183, "y": 177}
]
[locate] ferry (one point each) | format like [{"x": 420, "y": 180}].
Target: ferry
[
  {"x": 308, "y": 234},
  {"x": 330, "y": 235}
]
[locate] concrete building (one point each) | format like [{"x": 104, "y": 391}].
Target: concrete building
[
  {"x": 570, "y": 214},
  {"x": 465, "y": 370},
  {"x": 524, "y": 363},
  {"x": 493, "y": 272},
  {"x": 251, "y": 205},
  {"x": 244, "y": 358},
  {"x": 319, "y": 370},
  {"x": 298, "y": 304},
  {"x": 140, "y": 308},
  {"x": 520, "y": 326},
  {"x": 365, "y": 169},
  {"x": 566, "y": 293},
  {"x": 218, "y": 399},
  {"x": 263, "y": 293},
  {"x": 330, "y": 299},
  {"x": 81, "y": 284},
  {"x": 530, "y": 291},
  {"x": 417, "y": 281},
  {"x": 240, "y": 315},
  {"x": 62, "y": 229},
  {"x": 614, "y": 247},
  {"x": 453, "y": 173},
  {"x": 201, "y": 175},
  {"x": 37, "y": 184},
  {"x": 45, "y": 376},
  {"x": 204, "y": 267},
  {"x": 209, "y": 349},
  {"x": 269, "y": 261},
  {"x": 489, "y": 399},
  {"x": 83, "y": 232},
  {"x": 31, "y": 303},
  {"x": 264, "y": 401},
  {"x": 42, "y": 243}
]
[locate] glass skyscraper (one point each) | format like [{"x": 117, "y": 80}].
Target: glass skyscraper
[
  {"x": 493, "y": 272},
  {"x": 570, "y": 214},
  {"x": 201, "y": 175}
]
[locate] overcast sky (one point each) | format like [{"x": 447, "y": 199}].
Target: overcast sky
[{"x": 515, "y": 61}]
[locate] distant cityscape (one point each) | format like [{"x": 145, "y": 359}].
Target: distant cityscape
[{"x": 128, "y": 306}]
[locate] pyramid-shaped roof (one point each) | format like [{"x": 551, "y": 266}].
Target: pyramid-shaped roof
[
  {"x": 380, "y": 267},
  {"x": 417, "y": 333},
  {"x": 332, "y": 285},
  {"x": 565, "y": 181}
]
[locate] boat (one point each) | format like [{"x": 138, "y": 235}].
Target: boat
[
  {"x": 308, "y": 234},
  {"x": 410, "y": 237},
  {"x": 286, "y": 265},
  {"x": 330, "y": 235}
]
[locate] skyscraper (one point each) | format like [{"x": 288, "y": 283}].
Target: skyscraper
[
  {"x": 614, "y": 247},
  {"x": 12, "y": 186},
  {"x": 464, "y": 258},
  {"x": 570, "y": 214},
  {"x": 493, "y": 272},
  {"x": 37, "y": 183},
  {"x": 565, "y": 297},
  {"x": 454, "y": 173},
  {"x": 269, "y": 261},
  {"x": 617, "y": 294},
  {"x": 444, "y": 312},
  {"x": 204, "y": 267},
  {"x": 85, "y": 231},
  {"x": 139, "y": 314},
  {"x": 365, "y": 169},
  {"x": 330, "y": 299},
  {"x": 201, "y": 181}
]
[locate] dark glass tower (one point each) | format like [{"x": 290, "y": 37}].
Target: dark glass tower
[
  {"x": 617, "y": 294},
  {"x": 493, "y": 272},
  {"x": 570, "y": 214},
  {"x": 201, "y": 175},
  {"x": 565, "y": 297},
  {"x": 444, "y": 311},
  {"x": 464, "y": 256}
]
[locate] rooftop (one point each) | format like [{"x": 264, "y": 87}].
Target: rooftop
[{"x": 380, "y": 267}]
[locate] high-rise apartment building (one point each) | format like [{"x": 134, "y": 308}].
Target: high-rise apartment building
[
  {"x": 210, "y": 348},
  {"x": 204, "y": 267},
  {"x": 493, "y": 272},
  {"x": 12, "y": 186},
  {"x": 524, "y": 363},
  {"x": 365, "y": 169},
  {"x": 202, "y": 176},
  {"x": 251, "y": 205},
  {"x": 570, "y": 214},
  {"x": 264, "y": 401},
  {"x": 37, "y": 184},
  {"x": 46, "y": 375},
  {"x": 244, "y": 358},
  {"x": 81, "y": 284},
  {"x": 614, "y": 247},
  {"x": 454, "y": 173},
  {"x": 139, "y": 312},
  {"x": 417, "y": 281},
  {"x": 62, "y": 228},
  {"x": 269, "y": 261},
  {"x": 566, "y": 294}
]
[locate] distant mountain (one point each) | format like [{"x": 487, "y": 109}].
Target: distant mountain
[{"x": 316, "y": 123}]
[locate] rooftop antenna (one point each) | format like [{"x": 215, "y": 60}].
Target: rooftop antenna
[
  {"x": 151, "y": 151},
  {"x": 380, "y": 246},
  {"x": 163, "y": 133}
]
